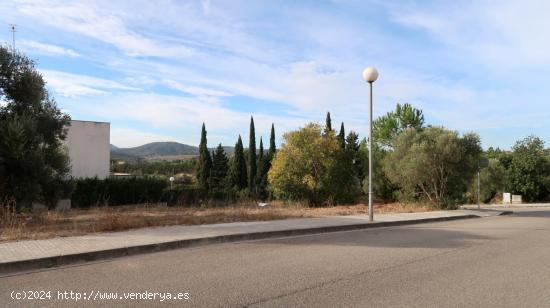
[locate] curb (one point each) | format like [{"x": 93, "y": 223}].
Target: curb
[{"x": 71, "y": 259}]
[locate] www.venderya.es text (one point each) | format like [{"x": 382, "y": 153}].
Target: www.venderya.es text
[{"x": 94, "y": 295}]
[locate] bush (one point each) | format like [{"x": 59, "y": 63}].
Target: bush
[
  {"x": 435, "y": 164},
  {"x": 114, "y": 191},
  {"x": 185, "y": 196}
]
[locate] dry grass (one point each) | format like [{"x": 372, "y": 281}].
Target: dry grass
[{"x": 102, "y": 219}]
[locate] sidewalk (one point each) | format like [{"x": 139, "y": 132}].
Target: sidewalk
[
  {"x": 34, "y": 254},
  {"x": 506, "y": 206}
]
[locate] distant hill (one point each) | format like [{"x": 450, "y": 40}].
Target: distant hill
[{"x": 158, "y": 150}]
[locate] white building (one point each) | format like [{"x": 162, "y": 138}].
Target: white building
[{"x": 88, "y": 146}]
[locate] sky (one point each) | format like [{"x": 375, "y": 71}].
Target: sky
[{"x": 156, "y": 70}]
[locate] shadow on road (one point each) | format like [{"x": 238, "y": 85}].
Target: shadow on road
[
  {"x": 409, "y": 237},
  {"x": 540, "y": 213}
]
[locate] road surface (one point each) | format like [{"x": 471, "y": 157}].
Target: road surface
[{"x": 486, "y": 262}]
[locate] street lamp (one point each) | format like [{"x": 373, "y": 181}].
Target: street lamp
[{"x": 370, "y": 74}]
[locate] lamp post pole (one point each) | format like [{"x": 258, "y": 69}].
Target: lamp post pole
[
  {"x": 371, "y": 214},
  {"x": 370, "y": 74}
]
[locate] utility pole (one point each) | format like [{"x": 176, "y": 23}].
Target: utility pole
[{"x": 13, "y": 30}]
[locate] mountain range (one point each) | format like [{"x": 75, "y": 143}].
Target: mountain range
[{"x": 158, "y": 150}]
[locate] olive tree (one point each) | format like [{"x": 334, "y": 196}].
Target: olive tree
[
  {"x": 33, "y": 163},
  {"x": 529, "y": 169},
  {"x": 435, "y": 163}
]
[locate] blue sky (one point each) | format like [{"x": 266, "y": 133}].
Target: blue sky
[{"x": 157, "y": 69}]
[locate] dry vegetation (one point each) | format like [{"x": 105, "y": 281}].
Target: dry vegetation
[{"x": 103, "y": 219}]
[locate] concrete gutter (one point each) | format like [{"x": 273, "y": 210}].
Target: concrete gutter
[{"x": 16, "y": 266}]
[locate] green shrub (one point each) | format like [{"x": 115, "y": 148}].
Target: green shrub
[
  {"x": 185, "y": 196},
  {"x": 115, "y": 191}
]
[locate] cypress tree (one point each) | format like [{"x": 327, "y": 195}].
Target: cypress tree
[
  {"x": 252, "y": 163},
  {"x": 342, "y": 136},
  {"x": 263, "y": 168},
  {"x": 219, "y": 168},
  {"x": 238, "y": 178},
  {"x": 205, "y": 161},
  {"x": 328, "y": 123},
  {"x": 272, "y": 148},
  {"x": 260, "y": 166}
]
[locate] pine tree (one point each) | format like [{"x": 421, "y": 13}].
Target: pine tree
[
  {"x": 252, "y": 163},
  {"x": 342, "y": 136},
  {"x": 238, "y": 176},
  {"x": 353, "y": 147},
  {"x": 205, "y": 161},
  {"x": 219, "y": 168},
  {"x": 328, "y": 123}
]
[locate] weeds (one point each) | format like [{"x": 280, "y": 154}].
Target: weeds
[{"x": 106, "y": 219}]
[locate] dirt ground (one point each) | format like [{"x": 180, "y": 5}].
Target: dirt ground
[{"x": 103, "y": 219}]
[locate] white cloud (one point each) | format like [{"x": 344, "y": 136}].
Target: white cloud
[
  {"x": 47, "y": 49},
  {"x": 73, "y": 85},
  {"x": 502, "y": 36},
  {"x": 102, "y": 25}
]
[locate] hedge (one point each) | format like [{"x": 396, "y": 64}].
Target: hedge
[{"x": 116, "y": 191}]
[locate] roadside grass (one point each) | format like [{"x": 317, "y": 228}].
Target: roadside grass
[{"x": 106, "y": 218}]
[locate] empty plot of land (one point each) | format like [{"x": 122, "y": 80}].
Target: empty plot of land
[{"x": 489, "y": 262}]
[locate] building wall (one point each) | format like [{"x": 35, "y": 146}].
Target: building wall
[{"x": 88, "y": 146}]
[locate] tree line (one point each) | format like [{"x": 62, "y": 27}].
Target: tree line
[
  {"x": 242, "y": 175},
  {"x": 412, "y": 161}
]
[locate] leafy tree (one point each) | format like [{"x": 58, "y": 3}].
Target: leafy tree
[
  {"x": 237, "y": 172},
  {"x": 383, "y": 188},
  {"x": 220, "y": 168},
  {"x": 492, "y": 180},
  {"x": 328, "y": 123},
  {"x": 33, "y": 162},
  {"x": 205, "y": 161},
  {"x": 342, "y": 136},
  {"x": 529, "y": 170},
  {"x": 252, "y": 162},
  {"x": 434, "y": 163},
  {"x": 310, "y": 166},
  {"x": 387, "y": 127}
]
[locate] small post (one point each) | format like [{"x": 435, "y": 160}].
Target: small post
[{"x": 478, "y": 191}]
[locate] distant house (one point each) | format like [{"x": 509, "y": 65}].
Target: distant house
[{"x": 88, "y": 146}]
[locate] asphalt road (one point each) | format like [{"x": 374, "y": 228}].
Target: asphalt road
[{"x": 486, "y": 262}]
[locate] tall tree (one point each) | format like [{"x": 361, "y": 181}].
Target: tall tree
[
  {"x": 205, "y": 161},
  {"x": 272, "y": 147},
  {"x": 260, "y": 165},
  {"x": 238, "y": 176},
  {"x": 342, "y": 136},
  {"x": 33, "y": 164},
  {"x": 263, "y": 169},
  {"x": 220, "y": 168},
  {"x": 252, "y": 162},
  {"x": 387, "y": 127},
  {"x": 328, "y": 123}
]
